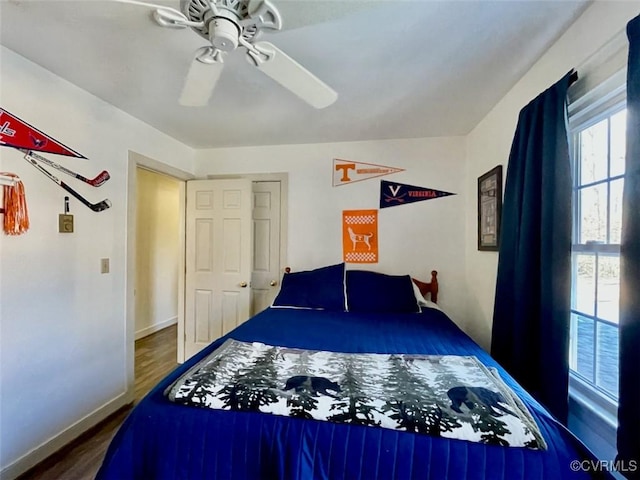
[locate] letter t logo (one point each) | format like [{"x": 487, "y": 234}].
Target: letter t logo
[{"x": 345, "y": 167}]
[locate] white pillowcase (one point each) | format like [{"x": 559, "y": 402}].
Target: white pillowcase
[
  {"x": 423, "y": 302},
  {"x": 430, "y": 304}
]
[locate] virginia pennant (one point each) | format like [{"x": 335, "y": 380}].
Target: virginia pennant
[
  {"x": 392, "y": 194},
  {"x": 17, "y": 133},
  {"x": 347, "y": 171}
]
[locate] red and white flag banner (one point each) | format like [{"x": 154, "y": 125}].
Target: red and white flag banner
[{"x": 17, "y": 133}]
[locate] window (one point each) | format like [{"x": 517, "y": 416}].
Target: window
[{"x": 598, "y": 144}]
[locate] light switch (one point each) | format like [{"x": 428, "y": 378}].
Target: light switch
[
  {"x": 65, "y": 223},
  {"x": 104, "y": 265}
]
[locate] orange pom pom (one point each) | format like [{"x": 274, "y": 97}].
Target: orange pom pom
[{"x": 16, "y": 216}]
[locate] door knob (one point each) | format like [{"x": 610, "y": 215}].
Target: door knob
[
  {"x": 273, "y": 283},
  {"x": 243, "y": 284}
]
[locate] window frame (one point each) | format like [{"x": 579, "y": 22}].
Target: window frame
[{"x": 602, "y": 102}]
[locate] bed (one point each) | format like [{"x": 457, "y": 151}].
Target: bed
[{"x": 330, "y": 311}]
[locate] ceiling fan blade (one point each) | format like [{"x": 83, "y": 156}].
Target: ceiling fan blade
[
  {"x": 291, "y": 75},
  {"x": 308, "y": 13},
  {"x": 163, "y": 15},
  {"x": 263, "y": 14},
  {"x": 203, "y": 75}
]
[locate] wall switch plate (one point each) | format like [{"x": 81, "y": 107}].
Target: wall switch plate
[
  {"x": 104, "y": 265},
  {"x": 65, "y": 223}
]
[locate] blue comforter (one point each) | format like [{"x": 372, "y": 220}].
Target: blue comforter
[{"x": 163, "y": 440}]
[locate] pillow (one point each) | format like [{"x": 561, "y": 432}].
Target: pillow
[
  {"x": 319, "y": 289},
  {"x": 423, "y": 302},
  {"x": 430, "y": 304},
  {"x": 418, "y": 294},
  {"x": 377, "y": 292}
]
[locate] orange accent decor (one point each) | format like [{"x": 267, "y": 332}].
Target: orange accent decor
[
  {"x": 360, "y": 236},
  {"x": 347, "y": 171},
  {"x": 14, "y": 206}
]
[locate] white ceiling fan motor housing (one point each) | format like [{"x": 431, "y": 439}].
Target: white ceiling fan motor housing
[
  {"x": 221, "y": 21},
  {"x": 224, "y": 33}
]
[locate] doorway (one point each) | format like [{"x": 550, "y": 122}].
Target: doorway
[
  {"x": 137, "y": 160},
  {"x": 157, "y": 251}
]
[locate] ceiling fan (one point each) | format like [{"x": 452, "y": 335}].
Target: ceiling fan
[{"x": 227, "y": 25}]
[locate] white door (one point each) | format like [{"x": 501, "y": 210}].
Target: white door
[
  {"x": 218, "y": 259},
  {"x": 266, "y": 272}
]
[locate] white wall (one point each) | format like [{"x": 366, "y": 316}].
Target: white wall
[
  {"x": 157, "y": 248},
  {"x": 489, "y": 143},
  {"x": 62, "y": 323},
  {"x": 413, "y": 239}
]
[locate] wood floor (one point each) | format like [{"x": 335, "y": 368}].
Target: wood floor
[{"x": 81, "y": 459}]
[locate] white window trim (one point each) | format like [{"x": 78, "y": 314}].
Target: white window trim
[
  {"x": 601, "y": 102},
  {"x": 596, "y": 105},
  {"x": 602, "y": 405},
  {"x": 595, "y": 412},
  {"x": 600, "y": 89}
]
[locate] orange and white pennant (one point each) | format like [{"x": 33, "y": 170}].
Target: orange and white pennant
[{"x": 347, "y": 171}]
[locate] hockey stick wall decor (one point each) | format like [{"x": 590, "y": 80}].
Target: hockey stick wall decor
[
  {"x": 96, "y": 207},
  {"x": 94, "y": 182},
  {"x": 18, "y": 134}
]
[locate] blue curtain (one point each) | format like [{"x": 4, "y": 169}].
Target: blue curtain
[
  {"x": 629, "y": 389},
  {"x": 530, "y": 335}
]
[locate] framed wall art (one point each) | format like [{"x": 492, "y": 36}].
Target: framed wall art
[{"x": 489, "y": 209}]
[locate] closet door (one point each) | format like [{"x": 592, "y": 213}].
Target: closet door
[{"x": 266, "y": 271}]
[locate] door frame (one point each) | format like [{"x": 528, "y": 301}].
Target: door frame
[{"x": 136, "y": 160}]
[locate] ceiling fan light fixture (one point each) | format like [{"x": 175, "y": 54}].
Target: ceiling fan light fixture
[{"x": 224, "y": 33}]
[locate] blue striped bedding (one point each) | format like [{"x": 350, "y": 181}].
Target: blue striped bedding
[{"x": 163, "y": 440}]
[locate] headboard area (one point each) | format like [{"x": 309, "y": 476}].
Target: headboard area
[
  {"x": 430, "y": 288},
  {"x": 425, "y": 288}
]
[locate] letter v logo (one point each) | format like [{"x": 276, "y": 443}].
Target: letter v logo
[{"x": 394, "y": 189}]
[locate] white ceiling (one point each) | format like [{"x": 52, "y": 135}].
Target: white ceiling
[{"x": 402, "y": 69}]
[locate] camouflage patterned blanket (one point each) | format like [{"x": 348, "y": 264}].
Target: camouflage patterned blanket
[{"x": 442, "y": 395}]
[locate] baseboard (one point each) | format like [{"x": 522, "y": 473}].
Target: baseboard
[
  {"x": 51, "y": 446},
  {"x": 155, "y": 328}
]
